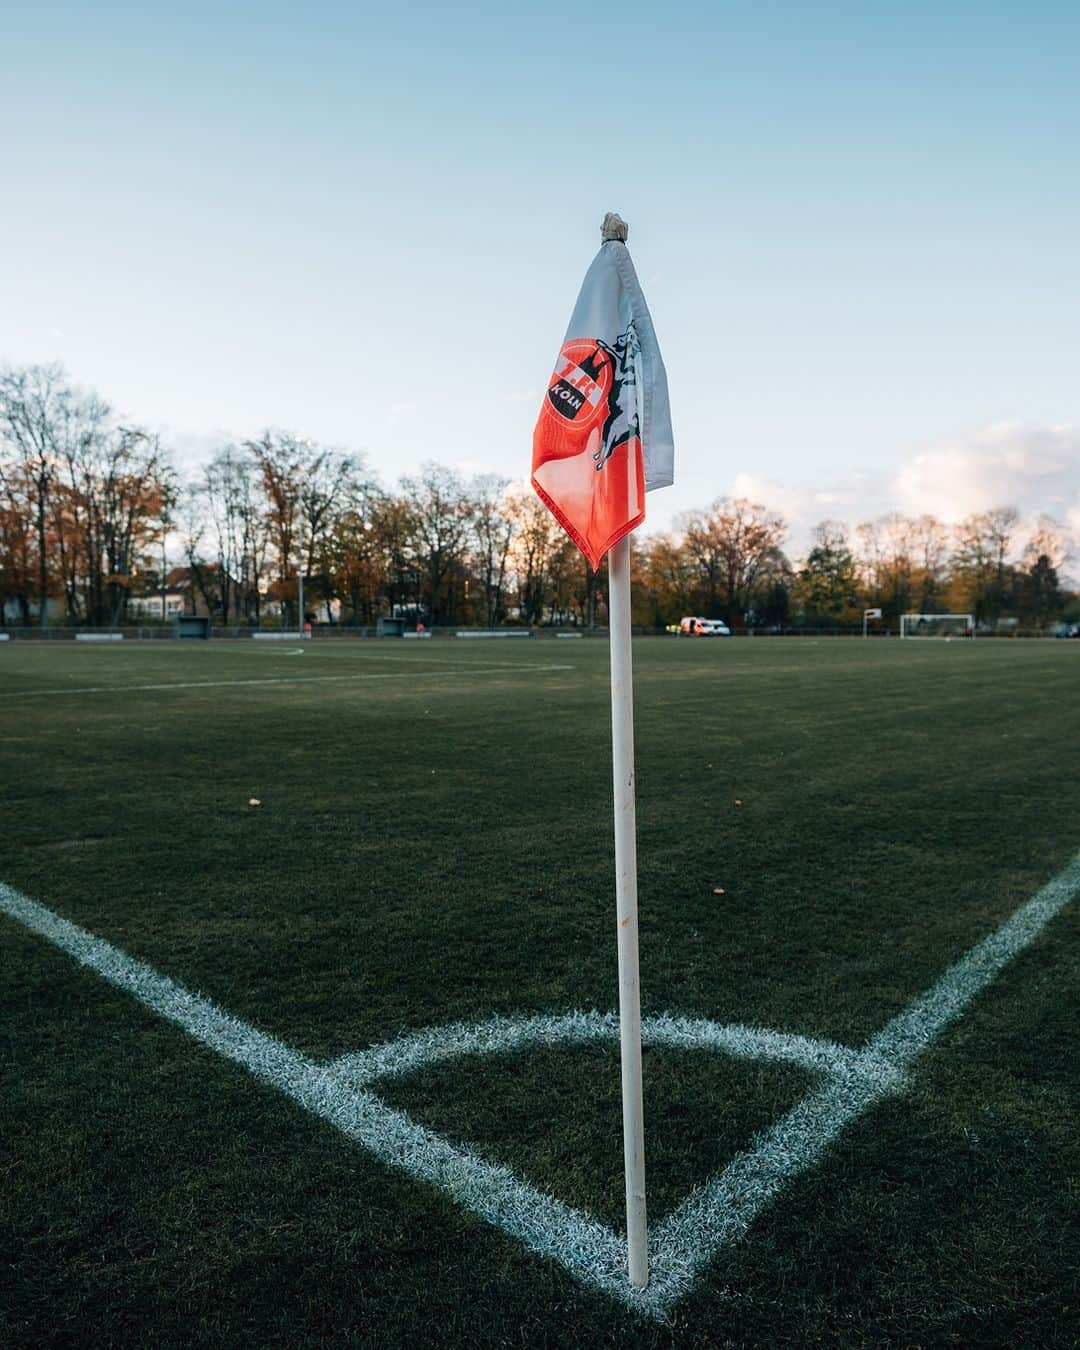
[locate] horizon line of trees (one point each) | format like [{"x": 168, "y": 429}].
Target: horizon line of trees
[{"x": 89, "y": 504}]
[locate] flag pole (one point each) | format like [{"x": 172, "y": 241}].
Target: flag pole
[{"x": 622, "y": 755}]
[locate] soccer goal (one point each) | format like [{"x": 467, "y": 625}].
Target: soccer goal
[{"x": 937, "y": 625}]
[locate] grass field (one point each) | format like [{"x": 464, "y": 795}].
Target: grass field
[{"x": 432, "y": 846}]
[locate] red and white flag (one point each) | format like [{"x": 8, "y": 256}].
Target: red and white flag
[{"x": 603, "y": 438}]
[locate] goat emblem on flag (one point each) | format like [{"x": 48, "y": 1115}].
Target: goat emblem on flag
[{"x": 603, "y": 437}]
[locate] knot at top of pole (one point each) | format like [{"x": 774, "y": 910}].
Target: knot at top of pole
[{"x": 614, "y": 227}]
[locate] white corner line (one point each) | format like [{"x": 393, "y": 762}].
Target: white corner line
[{"x": 713, "y": 1216}]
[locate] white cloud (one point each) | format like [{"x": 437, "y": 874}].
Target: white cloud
[
  {"x": 788, "y": 501},
  {"x": 1036, "y": 469}
]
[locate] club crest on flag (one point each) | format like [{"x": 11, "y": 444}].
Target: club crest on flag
[
  {"x": 581, "y": 381},
  {"x": 591, "y": 379}
]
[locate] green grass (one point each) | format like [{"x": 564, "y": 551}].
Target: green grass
[{"x": 433, "y": 845}]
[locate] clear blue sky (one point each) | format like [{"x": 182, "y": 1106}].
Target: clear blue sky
[{"x": 856, "y": 225}]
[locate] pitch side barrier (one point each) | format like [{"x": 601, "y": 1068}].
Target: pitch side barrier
[{"x": 342, "y": 633}]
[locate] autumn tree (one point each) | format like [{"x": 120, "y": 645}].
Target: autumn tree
[
  {"x": 38, "y": 411},
  {"x": 665, "y": 578},
  {"x": 18, "y": 566},
  {"x": 537, "y": 538},
  {"x": 304, "y": 487},
  {"x": 980, "y": 561},
  {"x": 729, "y": 545}
]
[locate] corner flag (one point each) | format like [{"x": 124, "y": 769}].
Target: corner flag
[{"x": 603, "y": 438}]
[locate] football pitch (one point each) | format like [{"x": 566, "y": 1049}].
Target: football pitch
[{"x": 309, "y": 965}]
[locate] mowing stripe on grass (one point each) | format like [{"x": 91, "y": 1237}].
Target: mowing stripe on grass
[
  {"x": 714, "y": 1215},
  {"x": 284, "y": 679}
]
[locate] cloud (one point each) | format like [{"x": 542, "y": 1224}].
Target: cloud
[
  {"x": 789, "y": 501},
  {"x": 1036, "y": 469},
  {"x": 855, "y": 496}
]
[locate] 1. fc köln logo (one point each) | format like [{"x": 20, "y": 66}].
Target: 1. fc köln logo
[{"x": 579, "y": 387}]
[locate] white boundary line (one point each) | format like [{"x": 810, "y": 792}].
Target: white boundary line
[
  {"x": 714, "y": 1215},
  {"x": 282, "y": 679}
]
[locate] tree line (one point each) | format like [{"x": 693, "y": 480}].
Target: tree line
[{"x": 92, "y": 505}]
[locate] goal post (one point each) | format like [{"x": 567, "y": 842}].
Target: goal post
[{"x": 937, "y": 625}]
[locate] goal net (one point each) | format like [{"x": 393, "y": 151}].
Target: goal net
[{"x": 937, "y": 625}]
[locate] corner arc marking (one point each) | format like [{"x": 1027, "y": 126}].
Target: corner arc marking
[{"x": 715, "y": 1214}]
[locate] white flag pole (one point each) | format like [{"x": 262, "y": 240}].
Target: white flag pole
[{"x": 622, "y": 746}]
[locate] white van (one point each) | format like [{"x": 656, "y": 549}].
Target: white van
[{"x": 697, "y": 627}]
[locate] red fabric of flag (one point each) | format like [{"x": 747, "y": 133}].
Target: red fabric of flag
[{"x": 587, "y": 464}]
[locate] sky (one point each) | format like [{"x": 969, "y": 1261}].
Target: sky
[{"x": 856, "y": 226}]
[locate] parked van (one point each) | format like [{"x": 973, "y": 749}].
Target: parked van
[{"x": 698, "y": 627}]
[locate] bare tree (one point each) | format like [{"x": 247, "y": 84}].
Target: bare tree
[
  {"x": 492, "y": 529},
  {"x": 393, "y": 532},
  {"x": 929, "y": 543},
  {"x": 235, "y": 517},
  {"x": 305, "y": 485},
  {"x": 980, "y": 560},
  {"x": 441, "y": 521},
  {"x": 536, "y": 538},
  {"x": 331, "y": 484},
  {"x": 280, "y": 459}
]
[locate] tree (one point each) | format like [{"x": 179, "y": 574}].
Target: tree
[
  {"x": 537, "y": 539},
  {"x": 929, "y": 544},
  {"x": 357, "y": 562},
  {"x": 229, "y": 490},
  {"x": 901, "y": 561},
  {"x": 980, "y": 565},
  {"x": 17, "y": 551},
  {"x": 665, "y": 577},
  {"x": 729, "y": 545},
  {"x": 37, "y": 412},
  {"x": 330, "y": 485},
  {"x": 492, "y": 529},
  {"x": 393, "y": 531},
  {"x": 1047, "y": 551},
  {"x": 304, "y": 486},
  {"x": 130, "y": 490},
  {"x": 828, "y": 581},
  {"x": 1040, "y": 594},
  {"x": 441, "y": 523},
  {"x": 279, "y": 459},
  {"x": 770, "y": 595}
]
